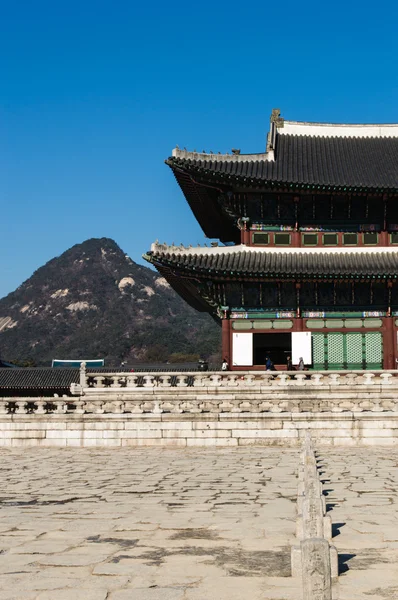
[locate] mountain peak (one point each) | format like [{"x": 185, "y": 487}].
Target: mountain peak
[{"x": 94, "y": 301}]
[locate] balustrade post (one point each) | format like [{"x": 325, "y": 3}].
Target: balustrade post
[
  {"x": 334, "y": 379},
  {"x": 175, "y": 408},
  {"x": 135, "y": 407},
  {"x": 300, "y": 378},
  {"x": 317, "y": 378},
  {"x": 199, "y": 380},
  {"x": 250, "y": 380},
  {"x": 83, "y": 375},
  {"x": 165, "y": 381},
  {"x": 266, "y": 379},
  {"x": 350, "y": 379},
  {"x": 182, "y": 381},
  {"x": 98, "y": 382},
  {"x": 20, "y": 407},
  {"x": 216, "y": 380},
  {"x": 60, "y": 407},
  {"x": 80, "y": 406},
  {"x": 368, "y": 378},
  {"x": 231, "y": 380},
  {"x": 99, "y": 407},
  {"x": 157, "y": 410},
  {"x": 149, "y": 381},
  {"x": 3, "y": 407},
  {"x": 386, "y": 378},
  {"x": 115, "y": 382},
  {"x": 131, "y": 381},
  {"x": 282, "y": 378}
]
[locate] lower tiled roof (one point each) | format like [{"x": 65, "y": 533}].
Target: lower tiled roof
[{"x": 263, "y": 263}]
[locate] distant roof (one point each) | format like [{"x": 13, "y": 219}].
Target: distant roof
[
  {"x": 96, "y": 362},
  {"x": 4, "y": 363},
  {"x": 38, "y": 378}
]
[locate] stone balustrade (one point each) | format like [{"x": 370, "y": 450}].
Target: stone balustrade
[
  {"x": 220, "y": 409},
  {"x": 256, "y": 404},
  {"x": 314, "y": 560},
  {"x": 237, "y": 379}
]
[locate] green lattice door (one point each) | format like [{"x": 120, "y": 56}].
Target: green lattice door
[
  {"x": 319, "y": 353},
  {"x": 373, "y": 350},
  {"x": 352, "y": 350},
  {"x": 335, "y": 350}
]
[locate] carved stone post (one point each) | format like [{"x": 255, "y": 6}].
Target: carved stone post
[
  {"x": 83, "y": 375},
  {"x": 316, "y": 572}
]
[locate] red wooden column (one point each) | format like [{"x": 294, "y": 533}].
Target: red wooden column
[
  {"x": 226, "y": 340},
  {"x": 389, "y": 343}
]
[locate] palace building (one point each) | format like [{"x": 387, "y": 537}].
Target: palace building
[{"x": 307, "y": 258}]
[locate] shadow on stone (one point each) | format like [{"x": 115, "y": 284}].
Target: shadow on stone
[
  {"x": 336, "y": 529},
  {"x": 343, "y": 560}
]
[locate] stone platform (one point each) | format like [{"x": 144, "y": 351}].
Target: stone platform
[{"x": 188, "y": 524}]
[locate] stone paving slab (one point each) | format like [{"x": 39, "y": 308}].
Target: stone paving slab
[
  {"x": 147, "y": 524},
  {"x": 362, "y": 495},
  {"x": 182, "y": 524}
]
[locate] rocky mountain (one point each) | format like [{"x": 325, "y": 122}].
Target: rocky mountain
[{"x": 93, "y": 301}]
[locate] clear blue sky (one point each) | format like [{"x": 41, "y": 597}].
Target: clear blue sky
[{"x": 95, "y": 94}]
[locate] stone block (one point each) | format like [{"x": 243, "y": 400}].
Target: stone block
[
  {"x": 264, "y": 433},
  {"x": 101, "y": 424},
  {"x": 74, "y": 442},
  {"x": 138, "y": 425},
  {"x": 22, "y": 434},
  {"x": 371, "y": 441},
  {"x": 177, "y": 425},
  {"x": 316, "y": 569},
  {"x": 155, "y": 442},
  {"x": 54, "y": 442},
  {"x": 197, "y": 433},
  {"x": 68, "y": 434},
  {"x": 269, "y": 441},
  {"x": 140, "y": 434},
  {"x": 27, "y": 442},
  {"x": 378, "y": 432},
  {"x": 212, "y": 442}
]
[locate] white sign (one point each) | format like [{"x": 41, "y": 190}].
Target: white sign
[
  {"x": 242, "y": 349},
  {"x": 302, "y": 347}
]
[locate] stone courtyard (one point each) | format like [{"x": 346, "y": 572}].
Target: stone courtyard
[{"x": 180, "y": 524}]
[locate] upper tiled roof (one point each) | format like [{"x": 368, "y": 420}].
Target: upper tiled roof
[
  {"x": 275, "y": 262},
  {"x": 305, "y": 155},
  {"x": 335, "y": 162}
]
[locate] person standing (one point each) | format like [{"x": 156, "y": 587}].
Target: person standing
[
  {"x": 289, "y": 364},
  {"x": 268, "y": 364},
  {"x": 301, "y": 366},
  {"x": 225, "y": 366}
]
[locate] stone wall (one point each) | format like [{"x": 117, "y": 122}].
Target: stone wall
[{"x": 350, "y": 409}]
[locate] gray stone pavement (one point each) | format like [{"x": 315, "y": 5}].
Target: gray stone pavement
[
  {"x": 200, "y": 524},
  {"x": 363, "y": 498},
  {"x": 147, "y": 524}
]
